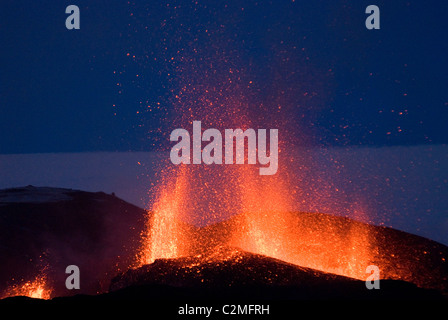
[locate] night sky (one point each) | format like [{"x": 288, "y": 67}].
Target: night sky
[{"x": 112, "y": 85}]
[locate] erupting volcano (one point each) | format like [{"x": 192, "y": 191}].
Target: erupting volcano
[
  {"x": 158, "y": 255},
  {"x": 199, "y": 209},
  {"x": 219, "y": 150},
  {"x": 212, "y": 229},
  {"x": 213, "y": 224},
  {"x": 36, "y": 288},
  {"x": 261, "y": 222},
  {"x": 258, "y": 208}
]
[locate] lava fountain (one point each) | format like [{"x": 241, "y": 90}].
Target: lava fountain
[
  {"x": 262, "y": 206},
  {"x": 270, "y": 227},
  {"x": 203, "y": 194},
  {"x": 266, "y": 223},
  {"x": 165, "y": 237},
  {"x": 36, "y": 288}
]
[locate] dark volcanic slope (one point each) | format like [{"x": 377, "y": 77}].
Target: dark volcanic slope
[
  {"x": 333, "y": 244},
  {"x": 50, "y": 228},
  {"x": 223, "y": 267},
  {"x": 230, "y": 273}
]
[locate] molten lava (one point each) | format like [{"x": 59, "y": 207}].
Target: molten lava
[
  {"x": 259, "y": 208},
  {"x": 36, "y": 288},
  {"x": 263, "y": 221},
  {"x": 165, "y": 237}
]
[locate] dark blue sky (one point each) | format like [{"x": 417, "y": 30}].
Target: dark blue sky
[{"x": 111, "y": 85}]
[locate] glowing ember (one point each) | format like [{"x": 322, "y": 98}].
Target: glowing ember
[
  {"x": 201, "y": 195},
  {"x": 265, "y": 229},
  {"x": 284, "y": 236},
  {"x": 269, "y": 228},
  {"x": 164, "y": 238},
  {"x": 265, "y": 225},
  {"x": 36, "y": 288}
]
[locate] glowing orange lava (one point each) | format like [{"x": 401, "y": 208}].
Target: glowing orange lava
[
  {"x": 269, "y": 227},
  {"x": 36, "y": 288},
  {"x": 164, "y": 237},
  {"x": 259, "y": 209},
  {"x": 264, "y": 222}
]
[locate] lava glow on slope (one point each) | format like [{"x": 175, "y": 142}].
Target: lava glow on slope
[
  {"x": 165, "y": 238},
  {"x": 263, "y": 223},
  {"x": 259, "y": 206},
  {"x": 36, "y": 288}
]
